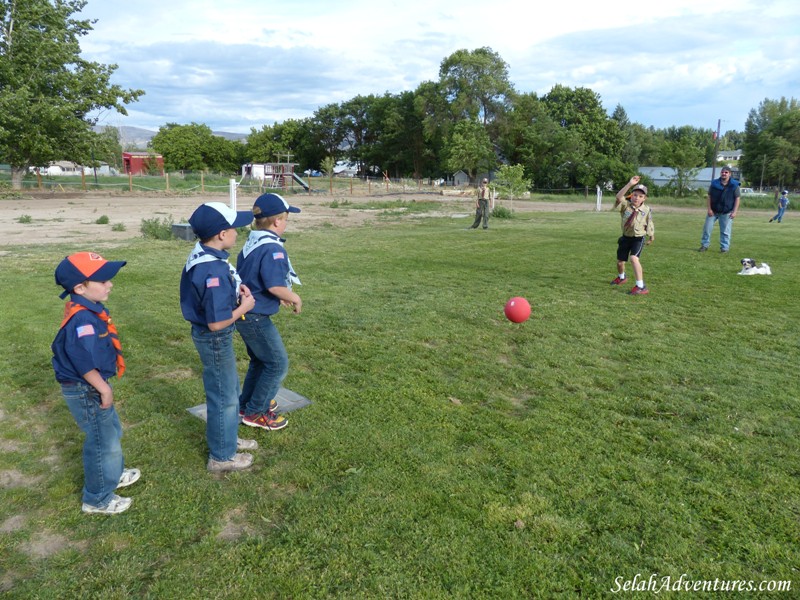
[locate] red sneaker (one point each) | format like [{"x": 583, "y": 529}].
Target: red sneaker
[
  {"x": 273, "y": 407},
  {"x": 637, "y": 291},
  {"x": 618, "y": 281},
  {"x": 269, "y": 421}
]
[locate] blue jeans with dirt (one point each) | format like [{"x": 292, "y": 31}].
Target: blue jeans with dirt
[
  {"x": 269, "y": 363},
  {"x": 725, "y": 228},
  {"x": 221, "y": 383},
  {"x": 102, "y": 452},
  {"x": 779, "y": 216}
]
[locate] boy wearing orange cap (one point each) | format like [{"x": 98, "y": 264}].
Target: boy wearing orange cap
[{"x": 86, "y": 354}]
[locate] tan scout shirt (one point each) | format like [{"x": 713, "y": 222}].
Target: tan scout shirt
[{"x": 642, "y": 222}]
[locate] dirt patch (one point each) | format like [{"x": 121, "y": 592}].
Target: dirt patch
[
  {"x": 14, "y": 479},
  {"x": 12, "y": 524},
  {"x": 52, "y": 218},
  {"x": 45, "y": 543}
]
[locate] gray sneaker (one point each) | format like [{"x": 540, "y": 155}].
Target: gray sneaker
[
  {"x": 246, "y": 444},
  {"x": 129, "y": 477},
  {"x": 117, "y": 505},
  {"x": 702, "y": 248},
  {"x": 239, "y": 462}
]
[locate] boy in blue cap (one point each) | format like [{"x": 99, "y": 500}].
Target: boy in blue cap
[
  {"x": 265, "y": 268},
  {"x": 212, "y": 299},
  {"x": 86, "y": 354},
  {"x": 783, "y": 202}
]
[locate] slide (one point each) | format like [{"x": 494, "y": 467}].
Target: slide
[{"x": 296, "y": 177}]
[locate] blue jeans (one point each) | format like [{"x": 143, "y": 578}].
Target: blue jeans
[
  {"x": 725, "y": 227},
  {"x": 269, "y": 363},
  {"x": 779, "y": 216},
  {"x": 221, "y": 382},
  {"x": 102, "y": 451}
]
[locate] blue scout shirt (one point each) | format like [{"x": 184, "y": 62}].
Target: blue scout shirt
[
  {"x": 264, "y": 263},
  {"x": 209, "y": 287},
  {"x": 83, "y": 344}
]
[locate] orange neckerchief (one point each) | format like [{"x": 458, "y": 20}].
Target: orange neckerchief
[{"x": 71, "y": 308}]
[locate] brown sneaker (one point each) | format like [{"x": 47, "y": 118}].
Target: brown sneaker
[{"x": 239, "y": 462}]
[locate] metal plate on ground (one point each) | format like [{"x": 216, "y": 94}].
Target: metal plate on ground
[{"x": 287, "y": 402}]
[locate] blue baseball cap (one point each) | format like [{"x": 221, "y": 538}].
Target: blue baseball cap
[
  {"x": 268, "y": 205},
  {"x": 85, "y": 266},
  {"x": 212, "y": 217}
]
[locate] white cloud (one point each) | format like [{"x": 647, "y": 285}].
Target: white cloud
[{"x": 246, "y": 63}]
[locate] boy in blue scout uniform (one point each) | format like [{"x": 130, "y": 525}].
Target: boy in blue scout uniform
[
  {"x": 86, "y": 354},
  {"x": 212, "y": 298},
  {"x": 783, "y": 202},
  {"x": 265, "y": 268},
  {"x": 637, "y": 222}
]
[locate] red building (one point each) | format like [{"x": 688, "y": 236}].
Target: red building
[{"x": 142, "y": 163}]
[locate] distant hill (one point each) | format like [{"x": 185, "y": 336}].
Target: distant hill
[{"x": 138, "y": 138}]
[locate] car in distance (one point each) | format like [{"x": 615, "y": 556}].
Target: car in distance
[{"x": 752, "y": 193}]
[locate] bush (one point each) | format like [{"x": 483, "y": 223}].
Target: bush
[
  {"x": 501, "y": 212},
  {"x": 157, "y": 229},
  {"x": 102, "y": 220},
  {"x": 25, "y": 219},
  {"x": 118, "y": 227}
]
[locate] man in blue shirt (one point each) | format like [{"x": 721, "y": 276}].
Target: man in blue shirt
[{"x": 722, "y": 203}]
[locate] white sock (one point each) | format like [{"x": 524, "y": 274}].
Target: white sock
[
  {"x": 640, "y": 283},
  {"x": 622, "y": 275}
]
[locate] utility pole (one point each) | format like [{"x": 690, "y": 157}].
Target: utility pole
[
  {"x": 716, "y": 149},
  {"x": 763, "y": 166}
]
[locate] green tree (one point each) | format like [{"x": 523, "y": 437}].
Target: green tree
[
  {"x": 47, "y": 91},
  {"x": 511, "y": 180},
  {"x": 580, "y": 110},
  {"x": 470, "y": 149},
  {"x": 686, "y": 158},
  {"x": 195, "y": 148},
  {"x": 772, "y": 143},
  {"x": 107, "y": 148},
  {"x": 476, "y": 84}
]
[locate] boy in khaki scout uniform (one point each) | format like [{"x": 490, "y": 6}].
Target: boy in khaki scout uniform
[{"x": 637, "y": 223}]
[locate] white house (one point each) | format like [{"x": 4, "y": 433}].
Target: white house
[{"x": 729, "y": 155}]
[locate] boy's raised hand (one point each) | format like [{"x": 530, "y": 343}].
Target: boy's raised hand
[{"x": 634, "y": 180}]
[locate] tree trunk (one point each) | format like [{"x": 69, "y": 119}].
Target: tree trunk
[{"x": 17, "y": 175}]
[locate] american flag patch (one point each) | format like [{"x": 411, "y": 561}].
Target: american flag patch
[
  {"x": 85, "y": 330},
  {"x": 278, "y": 255},
  {"x": 212, "y": 282}
]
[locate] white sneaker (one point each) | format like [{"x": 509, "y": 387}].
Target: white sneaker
[
  {"x": 246, "y": 444},
  {"x": 239, "y": 462},
  {"x": 129, "y": 477},
  {"x": 117, "y": 505}
]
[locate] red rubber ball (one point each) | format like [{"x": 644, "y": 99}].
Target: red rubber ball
[{"x": 517, "y": 310}]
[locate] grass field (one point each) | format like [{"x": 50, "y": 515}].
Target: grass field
[{"x": 448, "y": 452}]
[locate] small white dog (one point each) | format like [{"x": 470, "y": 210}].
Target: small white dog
[{"x": 749, "y": 267}]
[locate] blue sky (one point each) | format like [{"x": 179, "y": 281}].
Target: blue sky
[{"x": 239, "y": 64}]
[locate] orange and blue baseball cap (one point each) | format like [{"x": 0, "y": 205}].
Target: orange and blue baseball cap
[{"x": 85, "y": 266}]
